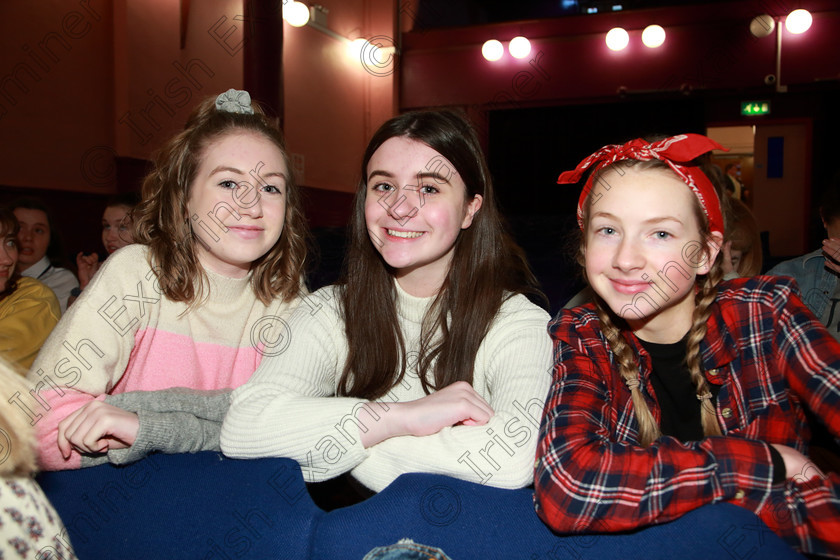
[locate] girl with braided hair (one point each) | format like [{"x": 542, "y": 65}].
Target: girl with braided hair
[{"x": 674, "y": 389}]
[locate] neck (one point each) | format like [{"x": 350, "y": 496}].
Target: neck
[{"x": 419, "y": 287}]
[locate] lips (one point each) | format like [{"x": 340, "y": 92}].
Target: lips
[
  {"x": 629, "y": 287},
  {"x": 247, "y": 232}
]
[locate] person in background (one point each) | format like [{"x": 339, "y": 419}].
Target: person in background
[
  {"x": 733, "y": 176},
  {"x": 742, "y": 246},
  {"x": 40, "y": 249},
  {"x": 29, "y": 525},
  {"x": 817, "y": 272},
  {"x": 117, "y": 225},
  {"x": 28, "y": 309}
]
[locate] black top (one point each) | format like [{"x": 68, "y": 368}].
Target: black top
[{"x": 678, "y": 402}]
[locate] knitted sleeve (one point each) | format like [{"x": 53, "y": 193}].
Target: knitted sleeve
[
  {"x": 513, "y": 374},
  {"x": 88, "y": 351},
  {"x": 281, "y": 411}
]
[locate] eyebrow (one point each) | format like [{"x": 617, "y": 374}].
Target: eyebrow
[
  {"x": 440, "y": 179},
  {"x": 227, "y": 169}
]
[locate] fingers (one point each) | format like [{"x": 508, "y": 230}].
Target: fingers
[
  {"x": 96, "y": 428},
  {"x": 69, "y": 424}
]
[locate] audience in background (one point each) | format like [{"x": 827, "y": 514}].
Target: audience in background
[
  {"x": 117, "y": 225},
  {"x": 817, "y": 272},
  {"x": 28, "y": 309},
  {"x": 742, "y": 245},
  {"x": 40, "y": 249}
]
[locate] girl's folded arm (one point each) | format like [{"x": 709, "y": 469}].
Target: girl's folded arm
[
  {"x": 592, "y": 476},
  {"x": 499, "y": 452}
]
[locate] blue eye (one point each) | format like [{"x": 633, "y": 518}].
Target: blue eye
[
  {"x": 228, "y": 184},
  {"x": 429, "y": 189},
  {"x": 662, "y": 235}
]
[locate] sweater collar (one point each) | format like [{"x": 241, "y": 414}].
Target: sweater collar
[
  {"x": 409, "y": 307},
  {"x": 224, "y": 288}
]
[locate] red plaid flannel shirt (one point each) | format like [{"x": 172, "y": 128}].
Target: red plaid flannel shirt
[{"x": 769, "y": 355}]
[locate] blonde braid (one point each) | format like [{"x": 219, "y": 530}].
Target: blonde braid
[
  {"x": 702, "y": 311},
  {"x": 629, "y": 370}
]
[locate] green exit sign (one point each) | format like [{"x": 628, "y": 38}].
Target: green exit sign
[{"x": 750, "y": 108}]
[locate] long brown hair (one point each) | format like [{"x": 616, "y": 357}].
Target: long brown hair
[
  {"x": 614, "y": 327},
  {"x": 9, "y": 227},
  {"x": 486, "y": 268},
  {"x": 161, "y": 219}
]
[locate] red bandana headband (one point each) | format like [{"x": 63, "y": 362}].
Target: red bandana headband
[{"x": 675, "y": 151}]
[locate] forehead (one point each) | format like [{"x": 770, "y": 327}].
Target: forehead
[
  {"x": 31, "y": 216},
  {"x": 118, "y": 211},
  {"x": 243, "y": 147},
  {"x": 641, "y": 192},
  {"x": 400, "y": 152}
]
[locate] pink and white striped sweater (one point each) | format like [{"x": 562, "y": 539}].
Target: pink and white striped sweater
[{"x": 123, "y": 335}]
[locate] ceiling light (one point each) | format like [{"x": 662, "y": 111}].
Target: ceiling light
[
  {"x": 296, "y": 14},
  {"x": 519, "y": 47},
  {"x": 617, "y": 39},
  {"x": 798, "y": 21},
  {"x": 653, "y": 36},
  {"x": 492, "y": 50}
]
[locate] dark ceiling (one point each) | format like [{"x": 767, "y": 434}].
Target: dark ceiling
[{"x": 450, "y": 13}]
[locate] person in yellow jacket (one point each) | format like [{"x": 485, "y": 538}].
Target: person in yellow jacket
[{"x": 28, "y": 309}]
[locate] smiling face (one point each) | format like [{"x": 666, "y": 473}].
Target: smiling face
[
  {"x": 415, "y": 207},
  {"x": 643, "y": 250},
  {"x": 116, "y": 228},
  {"x": 33, "y": 237},
  {"x": 237, "y": 202},
  {"x": 8, "y": 258}
]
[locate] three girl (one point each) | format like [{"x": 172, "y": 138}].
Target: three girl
[
  {"x": 675, "y": 390},
  {"x": 194, "y": 304},
  {"x": 428, "y": 356}
]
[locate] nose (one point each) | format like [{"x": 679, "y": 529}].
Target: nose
[
  {"x": 400, "y": 207},
  {"x": 627, "y": 255},
  {"x": 112, "y": 233},
  {"x": 251, "y": 202}
]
